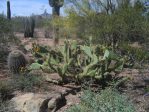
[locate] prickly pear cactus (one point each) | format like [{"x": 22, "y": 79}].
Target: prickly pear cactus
[{"x": 16, "y": 61}]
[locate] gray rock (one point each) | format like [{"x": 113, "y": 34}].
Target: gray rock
[{"x": 31, "y": 102}]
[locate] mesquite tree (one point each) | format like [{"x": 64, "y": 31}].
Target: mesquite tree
[{"x": 8, "y": 10}]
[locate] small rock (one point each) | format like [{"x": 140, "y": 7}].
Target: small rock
[
  {"x": 69, "y": 103},
  {"x": 53, "y": 76},
  {"x": 31, "y": 102}
]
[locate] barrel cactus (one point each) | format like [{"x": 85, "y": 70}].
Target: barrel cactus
[
  {"x": 16, "y": 61},
  {"x": 56, "y": 5}
]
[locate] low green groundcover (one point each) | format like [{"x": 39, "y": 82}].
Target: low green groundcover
[{"x": 107, "y": 101}]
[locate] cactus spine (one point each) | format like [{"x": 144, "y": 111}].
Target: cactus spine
[
  {"x": 16, "y": 61},
  {"x": 8, "y": 10},
  {"x": 29, "y": 26}
]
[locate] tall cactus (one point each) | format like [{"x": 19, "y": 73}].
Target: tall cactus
[
  {"x": 29, "y": 26},
  {"x": 8, "y": 10},
  {"x": 56, "y": 5}
]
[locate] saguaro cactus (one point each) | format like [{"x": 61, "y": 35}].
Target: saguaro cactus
[
  {"x": 29, "y": 26},
  {"x": 8, "y": 10},
  {"x": 56, "y": 5}
]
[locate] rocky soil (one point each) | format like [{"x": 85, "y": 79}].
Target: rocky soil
[{"x": 56, "y": 98}]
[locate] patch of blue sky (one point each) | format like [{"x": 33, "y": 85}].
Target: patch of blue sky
[{"x": 25, "y": 7}]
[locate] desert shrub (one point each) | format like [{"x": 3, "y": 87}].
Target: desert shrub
[
  {"x": 67, "y": 27},
  {"x": 5, "y": 25},
  {"x": 139, "y": 55},
  {"x": 40, "y": 22},
  {"x": 6, "y": 93},
  {"x": 18, "y": 25},
  {"x": 7, "y": 106},
  {"x": 106, "y": 101},
  {"x": 5, "y": 30},
  {"x": 47, "y": 33},
  {"x": 64, "y": 25},
  {"x": 123, "y": 24},
  {"x": 23, "y": 24},
  {"x": 27, "y": 82},
  {"x": 6, "y": 90},
  {"x": 6, "y": 37}
]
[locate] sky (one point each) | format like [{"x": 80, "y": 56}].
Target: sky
[{"x": 25, "y": 7}]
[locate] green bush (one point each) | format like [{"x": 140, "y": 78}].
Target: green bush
[
  {"x": 6, "y": 93},
  {"x": 18, "y": 25},
  {"x": 6, "y": 90},
  {"x": 124, "y": 23},
  {"x": 6, "y": 37},
  {"x": 139, "y": 55},
  {"x": 5, "y": 25},
  {"x": 7, "y": 106},
  {"x": 107, "y": 101},
  {"x": 27, "y": 82},
  {"x": 5, "y": 29}
]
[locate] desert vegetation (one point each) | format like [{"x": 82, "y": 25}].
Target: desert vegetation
[{"x": 95, "y": 58}]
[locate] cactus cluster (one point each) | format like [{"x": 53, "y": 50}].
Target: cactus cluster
[
  {"x": 8, "y": 10},
  {"x": 83, "y": 61},
  {"x": 56, "y": 5},
  {"x": 16, "y": 61},
  {"x": 29, "y": 26},
  {"x": 80, "y": 61}
]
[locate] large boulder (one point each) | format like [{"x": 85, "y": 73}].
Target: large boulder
[{"x": 31, "y": 102}]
